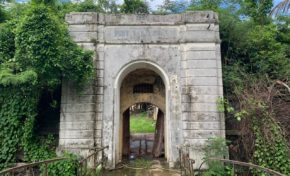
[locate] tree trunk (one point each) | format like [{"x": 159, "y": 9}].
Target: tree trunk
[
  {"x": 159, "y": 135},
  {"x": 126, "y": 132}
]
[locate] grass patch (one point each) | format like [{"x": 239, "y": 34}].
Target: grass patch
[
  {"x": 140, "y": 123},
  {"x": 142, "y": 163}
]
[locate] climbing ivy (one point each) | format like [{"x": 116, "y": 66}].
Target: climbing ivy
[
  {"x": 270, "y": 151},
  {"x": 17, "y": 108},
  {"x": 36, "y": 54},
  {"x": 270, "y": 148},
  {"x": 7, "y": 47}
]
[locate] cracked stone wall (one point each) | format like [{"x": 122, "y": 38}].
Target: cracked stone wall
[{"x": 183, "y": 48}]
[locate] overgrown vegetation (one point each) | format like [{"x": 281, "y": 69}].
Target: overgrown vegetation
[
  {"x": 215, "y": 148},
  {"x": 36, "y": 54},
  {"x": 256, "y": 72}
]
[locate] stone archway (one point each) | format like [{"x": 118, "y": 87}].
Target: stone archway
[
  {"x": 141, "y": 86},
  {"x": 140, "y": 82}
]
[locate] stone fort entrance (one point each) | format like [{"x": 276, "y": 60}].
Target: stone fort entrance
[{"x": 178, "y": 55}]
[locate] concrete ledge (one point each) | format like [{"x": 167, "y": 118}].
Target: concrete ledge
[
  {"x": 77, "y": 116},
  {"x": 76, "y": 134},
  {"x": 203, "y": 126},
  {"x": 201, "y": 134},
  {"x": 141, "y": 19},
  {"x": 80, "y": 143},
  {"x": 201, "y": 116}
]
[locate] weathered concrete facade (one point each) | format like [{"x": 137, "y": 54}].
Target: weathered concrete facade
[{"x": 183, "y": 49}]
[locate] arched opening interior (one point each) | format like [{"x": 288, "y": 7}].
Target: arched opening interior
[{"x": 142, "y": 108}]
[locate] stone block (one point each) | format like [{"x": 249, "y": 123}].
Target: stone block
[
  {"x": 98, "y": 133},
  {"x": 77, "y": 125},
  {"x": 203, "y": 126},
  {"x": 79, "y": 99},
  {"x": 76, "y": 143},
  {"x": 99, "y": 90},
  {"x": 198, "y": 98},
  {"x": 83, "y": 28},
  {"x": 76, "y": 134},
  {"x": 99, "y": 98},
  {"x": 199, "y": 47},
  {"x": 99, "y": 64},
  {"x": 204, "y": 107},
  {"x": 201, "y": 64},
  {"x": 99, "y": 116},
  {"x": 81, "y": 18},
  {"x": 201, "y": 116},
  {"x": 204, "y": 90},
  {"x": 84, "y": 36},
  {"x": 141, "y": 34},
  {"x": 69, "y": 90},
  {"x": 200, "y": 55},
  {"x": 198, "y": 36},
  {"x": 201, "y": 134},
  {"x": 200, "y": 27},
  {"x": 81, "y": 107},
  {"x": 99, "y": 82},
  {"x": 99, "y": 73},
  {"x": 141, "y": 19},
  {"x": 200, "y": 17},
  {"x": 77, "y": 116},
  {"x": 99, "y": 106},
  {"x": 87, "y": 46},
  {"x": 202, "y": 81},
  {"x": 201, "y": 72},
  {"x": 98, "y": 125}
]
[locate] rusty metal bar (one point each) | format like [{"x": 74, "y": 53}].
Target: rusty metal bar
[
  {"x": 13, "y": 169},
  {"x": 98, "y": 150},
  {"x": 84, "y": 162},
  {"x": 186, "y": 164},
  {"x": 250, "y": 165}
]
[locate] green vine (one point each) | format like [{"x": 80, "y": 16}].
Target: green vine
[
  {"x": 36, "y": 55},
  {"x": 17, "y": 108},
  {"x": 270, "y": 145},
  {"x": 270, "y": 151}
]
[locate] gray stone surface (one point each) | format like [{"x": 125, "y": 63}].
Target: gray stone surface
[{"x": 183, "y": 49}]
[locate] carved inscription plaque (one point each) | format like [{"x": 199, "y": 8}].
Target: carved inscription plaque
[{"x": 141, "y": 34}]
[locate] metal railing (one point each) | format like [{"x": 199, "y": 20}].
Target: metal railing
[
  {"x": 186, "y": 164},
  {"x": 95, "y": 158},
  {"x": 238, "y": 171},
  {"x": 41, "y": 167},
  {"x": 30, "y": 169}
]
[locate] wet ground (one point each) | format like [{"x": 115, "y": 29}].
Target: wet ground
[{"x": 143, "y": 167}]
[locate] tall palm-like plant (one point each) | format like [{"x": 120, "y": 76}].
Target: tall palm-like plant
[{"x": 281, "y": 8}]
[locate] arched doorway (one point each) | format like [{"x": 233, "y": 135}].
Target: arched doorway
[
  {"x": 140, "y": 82},
  {"x": 142, "y": 85},
  {"x": 143, "y": 132}
]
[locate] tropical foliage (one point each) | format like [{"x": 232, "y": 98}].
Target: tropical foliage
[{"x": 37, "y": 54}]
